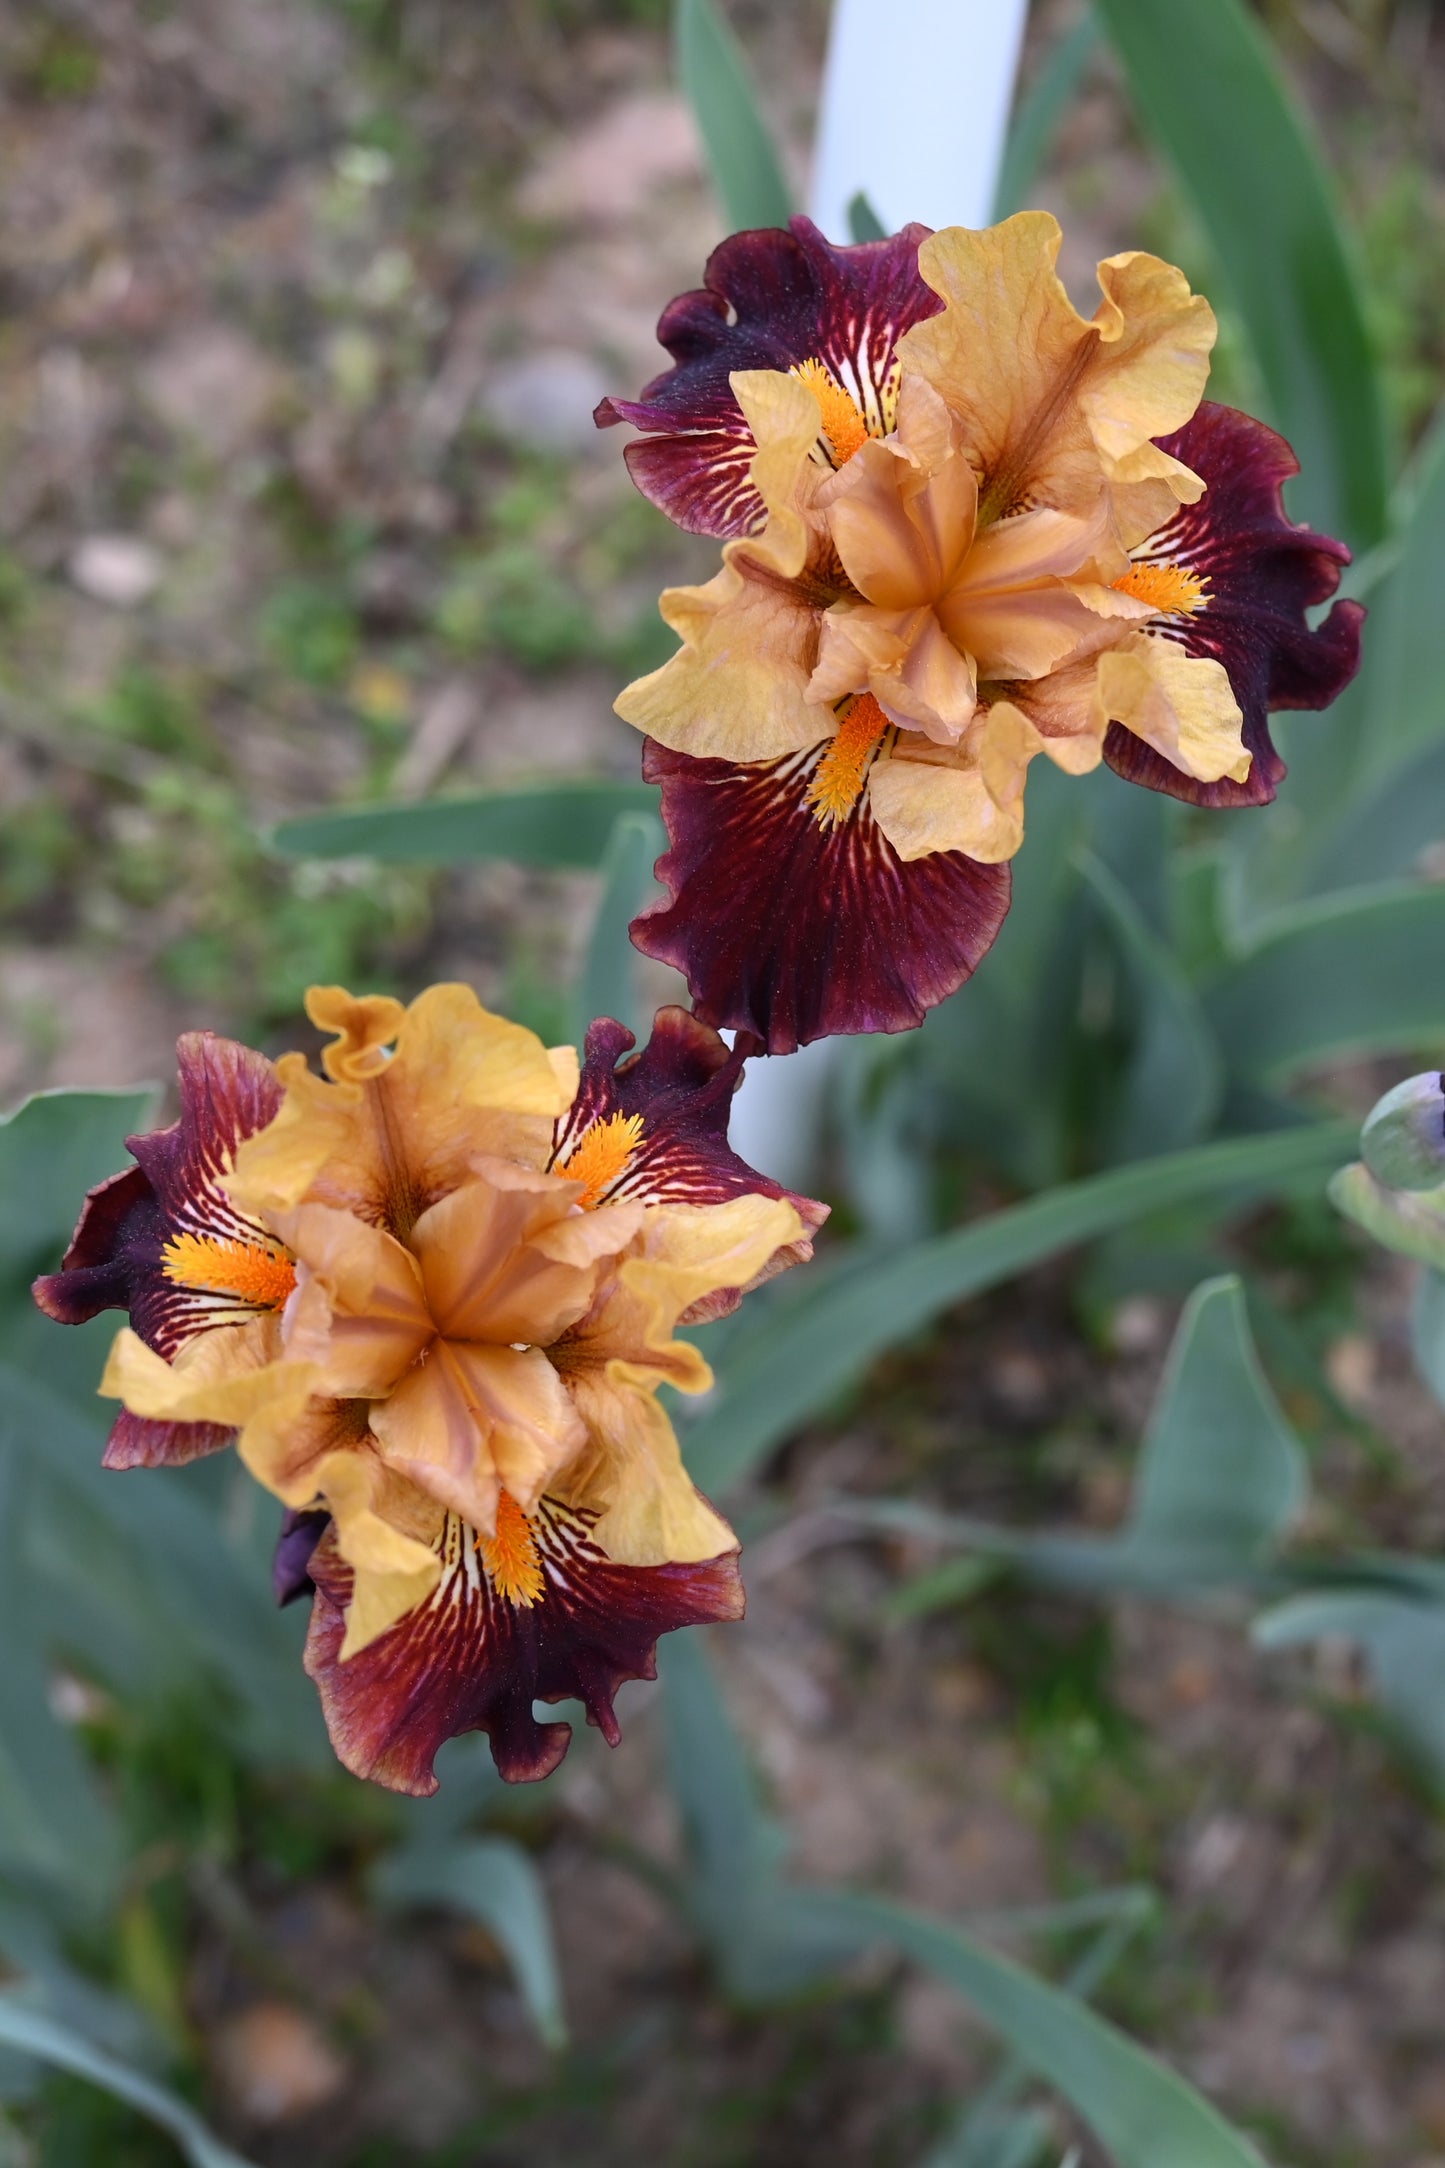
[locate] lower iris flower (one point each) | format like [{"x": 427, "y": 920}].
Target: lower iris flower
[
  {"x": 434, "y": 1294},
  {"x": 962, "y": 527}
]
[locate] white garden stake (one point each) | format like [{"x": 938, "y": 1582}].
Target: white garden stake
[{"x": 914, "y": 113}]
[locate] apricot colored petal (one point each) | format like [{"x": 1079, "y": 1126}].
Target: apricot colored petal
[
  {"x": 738, "y": 685},
  {"x": 360, "y": 1311},
  {"x": 285, "y": 1447},
  {"x": 1182, "y": 705},
  {"x": 930, "y": 798},
  {"x": 386, "y": 1531},
  {"x": 631, "y": 1468},
  {"x": 385, "y": 1144},
  {"x": 1065, "y": 709},
  {"x": 1148, "y": 373},
  {"x": 908, "y": 663},
  {"x": 631, "y": 1475},
  {"x": 221, "y": 1377},
  {"x": 470, "y": 1420},
  {"x": 793, "y": 931},
  {"x": 901, "y": 513},
  {"x": 509, "y": 1258},
  {"x": 772, "y": 299},
  {"x": 469, "y": 1659},
  {"x": 1052, "y": 407}
]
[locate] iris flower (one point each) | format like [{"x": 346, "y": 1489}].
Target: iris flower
[
  {"x": 433, "y": 1295},
  {"x": 962, "y": 526}
]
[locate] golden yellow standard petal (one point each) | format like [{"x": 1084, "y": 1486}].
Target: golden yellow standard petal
[
  {"x": 1180, "y": 704},
  {"x": 398, "y": 1131},
  {"x": 737, "y": 689},
  {"x": 1053, "y": 408},
  {"x": 968, "y": 798},
  {"x": 613, "y": 1361},
  {"x": 223, "y": 1376},
  {"x": 385, "y": 1531}
]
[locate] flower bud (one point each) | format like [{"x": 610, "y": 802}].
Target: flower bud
[{"x": 1403, "y": 1140}]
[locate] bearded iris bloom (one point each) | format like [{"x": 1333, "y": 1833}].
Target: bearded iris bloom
[
  {"x": 962, "y": 527},
  {"x": 433, "y": 1295}
]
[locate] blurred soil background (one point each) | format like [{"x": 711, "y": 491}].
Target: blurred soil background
[{"x": 304, "y": 307}]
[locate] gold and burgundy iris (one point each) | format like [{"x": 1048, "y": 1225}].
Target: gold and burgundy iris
[
  {"x": 432, "y": 1295},
  {"x": 962, "y": 527}
]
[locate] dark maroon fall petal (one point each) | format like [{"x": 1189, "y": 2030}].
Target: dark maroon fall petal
[
  {"x": 796, "y": 932},
  {"x": 115, "y": 1259},
  {"x": 471, "y": 1660},
  {"x": 136, "y": 1441},
  {"x": 771, "y": 299},
  {"x": 1263, "y": 573},
  {"x": 681, "y": 1087}
]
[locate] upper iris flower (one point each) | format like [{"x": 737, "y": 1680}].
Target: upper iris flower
[
  {"x": 436, "y": 1293},
  {"x": 963, "y": 527}
]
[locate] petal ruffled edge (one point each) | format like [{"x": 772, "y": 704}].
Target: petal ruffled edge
[
  {"x": 679, "y": 1088},
  {"x": 792, "y": 931},
  {"x": 1263, "y": 574},
  {"x": 469, "y": 1659},
  {"x": 772, "y": 298},
  {"x": 115, "y": 1260}
]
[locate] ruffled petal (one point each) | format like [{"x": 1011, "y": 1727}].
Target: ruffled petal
[
  {"x": 471, "y": 1658},
  {"x": 469, "y": 1421},
  {"x": 616, "y": 1357},
  {"x": 667, "y": 1108},
  {"x": 1053, "y": 407},
  {"x": 389, "y": 1134},
  {"x": 772, "y": 299},
  {"x": 1180, "y": 704},
  {"x": 508, "y": 1258},
  {"x": 795, "y": 931},
  {"x": 738, "y": 686},
  {"x": 933, "y": 798},
  {"x": 117, "y": 1258},
  {"x": 1262, "y": 574}
]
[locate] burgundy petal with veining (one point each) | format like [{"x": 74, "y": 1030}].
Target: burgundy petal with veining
[
  {"x": 679, "y": 1088},
  {"x": 1263, "y": 573},
  {"x": 470, "y": 1659},
  {"x": 116, "y": 1257},
  {"x": 770, "y": 299},
  {"x": 794, "y": 931}
]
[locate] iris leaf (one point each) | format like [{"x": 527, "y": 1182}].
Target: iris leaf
[
  {"x": 795, "y": 1362},
  {"x": 864, "y": 224},
  {"x": 1206, "y": 85},
  {"x": 556, "y": 824},
  {"x": 34, "y": 2034},
  {"x": 492, "y": 1880},
  {"x": 741, "y": 158},
  {"x": 1343, "y": 974},
  {"x": 1221, "y": 1477},
  {"x": 1145, "y": 2114},
  {"x": 1039, "y": 112},
  {"x": 1172, "y": 1088},
  {"x": 1403, "y": 1638}
]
